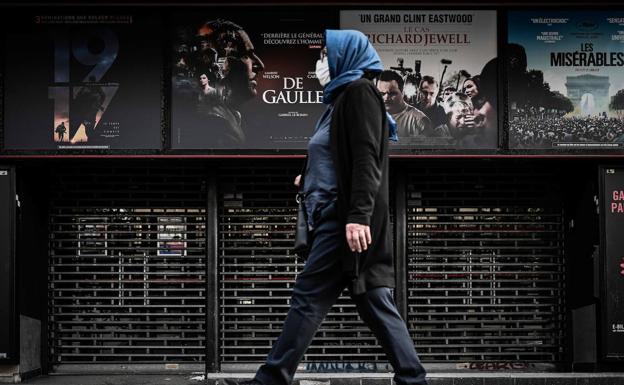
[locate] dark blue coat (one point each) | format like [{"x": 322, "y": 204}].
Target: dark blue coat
[{"x": 359, "y": 146}]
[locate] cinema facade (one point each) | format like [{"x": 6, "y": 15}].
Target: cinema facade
[{"x": 154, "y": 231}]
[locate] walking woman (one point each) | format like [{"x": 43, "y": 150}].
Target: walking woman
[{"x": 346, "y": 197}]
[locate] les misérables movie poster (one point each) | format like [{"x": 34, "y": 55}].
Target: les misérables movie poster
[
  {"x": 83, "y": 81},
  {"x": 566, "y": 79}
]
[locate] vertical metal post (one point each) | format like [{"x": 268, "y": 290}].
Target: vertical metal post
[
  {"x": 212, "y": 294},
  {"x": 400, "y": 244},
  {"x": 9, "y": 316}
]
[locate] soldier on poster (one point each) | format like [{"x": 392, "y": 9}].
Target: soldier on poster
[
  {"x": 566, "y": 85},
  {"x": 81, "y": 89},
  {"x": 60, "y": 131},
  {"x": 448, "y": 97},
  {"x": 240, "y": 85}
]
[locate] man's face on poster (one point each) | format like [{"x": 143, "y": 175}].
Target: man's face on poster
[
  {"x": 391, "y": 94},
  {"x": 204, "y": 45},
  {"x": 428, "y": 91},
  {"x": 242, "y": 65}
]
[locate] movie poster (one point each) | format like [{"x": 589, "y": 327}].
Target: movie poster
[
  {"x": 246, "y": 80},
  {"x": 566, "y": 81},
  {"x": 440, "y": 78},
  {"x": 612, "y": 261},
  {"x": 83, "y": 81}
]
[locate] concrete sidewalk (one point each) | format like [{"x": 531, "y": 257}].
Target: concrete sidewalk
[{"x": 344, "y": 379}]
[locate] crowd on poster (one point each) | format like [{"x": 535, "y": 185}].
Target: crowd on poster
[{"x": 566, "y": 86}]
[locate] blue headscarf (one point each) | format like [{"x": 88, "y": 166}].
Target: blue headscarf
[{"x": 349, "y": 54}]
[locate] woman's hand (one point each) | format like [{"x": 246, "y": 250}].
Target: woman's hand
[
  {"x": 297, "y": 180},
  {"x": 358, "y": 236}
]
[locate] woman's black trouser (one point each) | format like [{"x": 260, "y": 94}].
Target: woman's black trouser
[{"x": 316, "y": 289}]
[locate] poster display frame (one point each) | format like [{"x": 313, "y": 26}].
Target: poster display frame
[
  {"x": 502, "y": 150},
  {"x": 150, "y": 14},
  {"x": 565, "y": 147},
  {"x": 604, "y": 297}
]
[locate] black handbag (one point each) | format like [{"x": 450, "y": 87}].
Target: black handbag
[{"x": 301, "y": 247}]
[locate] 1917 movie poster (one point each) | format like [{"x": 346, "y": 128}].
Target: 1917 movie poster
[
  {"x": 566, "y": 84},
  {"x": 83, "y": 81},
  {"x": 246, "y": 80},
  {"x": 440, "y": 77}
]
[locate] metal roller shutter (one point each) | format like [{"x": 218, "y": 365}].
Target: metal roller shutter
[
  {"x": 257, "y": 273},
  {"x": 485, "y": 263},
  {"x": 127, "y": 265}
]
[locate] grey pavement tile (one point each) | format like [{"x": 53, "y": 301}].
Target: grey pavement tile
[
  {"x": 376, "y": 381},
  {"x": 318, "y": 381},
  {"x": 529, "y": 381},
  {"x": 440, "y": 381},
  {"x": 498, "y": 381},
  {"x": 437, "y": 379},
  {"x": 468, "y": 381},
  {"x": 345, "y": 381},
  {"x": 132, "y": 379},
  {"x": 619, "y": 380},
  {"x": 600, "y": 380},
  {"x": 559, "y": 381}
]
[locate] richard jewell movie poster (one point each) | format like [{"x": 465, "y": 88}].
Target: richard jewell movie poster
[
  {"x": 83, "y": 81},
  {"x": 246, "y": 80},
  {"x": 566, "y": 79},
  {"x": 440, "y": 77}
]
